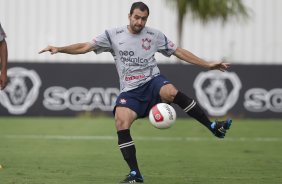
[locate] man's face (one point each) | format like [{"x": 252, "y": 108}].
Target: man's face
[{"x": 137, "y": 20}]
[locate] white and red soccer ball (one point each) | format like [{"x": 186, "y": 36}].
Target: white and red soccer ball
[{"x": 162, "y": 116}]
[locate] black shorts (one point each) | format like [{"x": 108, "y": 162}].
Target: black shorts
[{"x": 143, "y": 98}]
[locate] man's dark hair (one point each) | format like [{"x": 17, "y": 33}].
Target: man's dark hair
[{"x": 139, "y": 5}]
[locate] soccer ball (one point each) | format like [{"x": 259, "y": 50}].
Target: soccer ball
[{"x": 162, "y": 116}]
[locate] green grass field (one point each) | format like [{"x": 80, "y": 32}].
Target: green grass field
[{"x": 85, "y": 151}]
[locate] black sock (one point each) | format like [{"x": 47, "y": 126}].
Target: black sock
[
  {"x": 192, "y": 109},
  {"x": 128, "y": 149}
]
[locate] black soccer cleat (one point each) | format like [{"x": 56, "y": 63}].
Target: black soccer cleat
[
  {"x": 219, "y": 128},
  {"x": 133, "y": 178}
]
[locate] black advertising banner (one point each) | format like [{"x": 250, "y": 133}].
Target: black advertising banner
[
  {"x": 247, "y": 91},
  {"x": 59, "y": 89},
  {"x": 66, "y": 89}
]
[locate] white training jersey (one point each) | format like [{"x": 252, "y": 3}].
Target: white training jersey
[
  {"x": 2, "y": 33},
  {"x": 134, "y": 54}
]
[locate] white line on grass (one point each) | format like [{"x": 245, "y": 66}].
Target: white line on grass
[{"x": 141, "y": 138}]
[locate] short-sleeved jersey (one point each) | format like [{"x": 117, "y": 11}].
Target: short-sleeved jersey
[
  {"x": 134, "y": 54},
  {"x": 2, "y": 33}
]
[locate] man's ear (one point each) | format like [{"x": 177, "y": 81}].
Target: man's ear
[{"x": 129, "y": 15}]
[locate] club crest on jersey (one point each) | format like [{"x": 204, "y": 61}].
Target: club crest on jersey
[{"x": 146, "y": 43}]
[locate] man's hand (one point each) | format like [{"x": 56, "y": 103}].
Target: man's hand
[
  {"x": 3, "y": 80},
  {"x": 51, "y": 49},
  {"x": 219, "y": 66}
]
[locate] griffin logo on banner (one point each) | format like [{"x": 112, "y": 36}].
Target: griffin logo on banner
[
  {"x": 217, "y": 91},
  {"x": 21, "y": 91}
]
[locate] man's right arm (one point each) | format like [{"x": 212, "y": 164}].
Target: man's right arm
[{"x": 78, "y": 48}]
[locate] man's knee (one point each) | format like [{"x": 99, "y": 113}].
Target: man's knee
[
  {"x": 121, "y": 123},
  {"x": 124, "y": 118},
  {"x": 167, "y": 93}
]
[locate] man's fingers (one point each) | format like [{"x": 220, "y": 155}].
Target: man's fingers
[
  {"x": 41, "y": 51},
  {"x": 44, "y": 50},
  {"x": 226, "y": 65},
  {"x": 49, "y": 48},
  {"x": 221, "y": 66}
]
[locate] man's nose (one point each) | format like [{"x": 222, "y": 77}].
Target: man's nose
[{"x": 139, "y": 21}]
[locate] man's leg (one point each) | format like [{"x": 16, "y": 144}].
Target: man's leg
[
  {"x": 170, "y": 94},
  {"x": 124, "y": 117}
]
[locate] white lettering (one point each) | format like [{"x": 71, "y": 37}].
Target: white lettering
[
  {"x": 260, "y": 100},
  {"x": 57, "y": 98}
]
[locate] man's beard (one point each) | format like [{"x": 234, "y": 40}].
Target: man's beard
[{"x": 137, "y": 29}]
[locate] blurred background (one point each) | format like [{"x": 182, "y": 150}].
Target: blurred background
[
  {"x": 31, "y": 24},
  {"x": 246, "y": 33}
]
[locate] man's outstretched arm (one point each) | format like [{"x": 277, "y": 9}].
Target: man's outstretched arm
[
  {"x": 78, "y": 48},
  {"x": 191, "y": 58}
]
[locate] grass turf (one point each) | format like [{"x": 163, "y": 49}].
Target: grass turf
[{"x": 85, "y": 151}]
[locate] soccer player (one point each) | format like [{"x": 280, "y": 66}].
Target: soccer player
[
  {"x": 141, "y": 85},
  {"x": 3, "y": 59}
]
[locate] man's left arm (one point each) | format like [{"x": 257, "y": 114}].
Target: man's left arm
[
  {"x": 3, "y": 59},
  {"x": 191, "y": 58}
]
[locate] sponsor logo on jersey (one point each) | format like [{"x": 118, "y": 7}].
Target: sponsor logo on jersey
[
  {"x": 150, "y": 33},
  {"x": 127, "y": 57},
  {"x": 133, "y": 77},
  {"x": 126, "y": 52},
  {"x": 120, "y": 31},
  {"x": 146, "y": 43}
]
